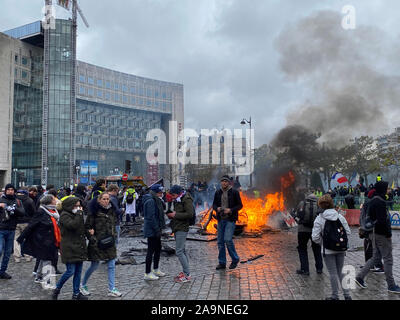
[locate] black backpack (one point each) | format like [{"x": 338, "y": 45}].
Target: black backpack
[
  {"x": 308, "y": 213},
  {"x": 129, "y": 198},
  {"x": 334, "y": 236}
]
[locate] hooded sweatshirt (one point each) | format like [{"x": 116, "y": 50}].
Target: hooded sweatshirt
[
  {"x": 378, "y": 210},
  {"x": 319, "y": 224}
]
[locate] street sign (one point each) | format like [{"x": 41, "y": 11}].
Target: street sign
[{"x": 125, "y": 177}]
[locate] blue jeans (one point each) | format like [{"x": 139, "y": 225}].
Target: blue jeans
[
  {"x": 73, "y": 269},
  {"x": 180, "y": 239},
  {"x": 225, "y": 235},
  {"x": 111, "y": 273},
  {"x": 6, "y": 247}
]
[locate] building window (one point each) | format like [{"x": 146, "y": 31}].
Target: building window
[
  {"x": 108, "y": 96},
  {"x": 99, "y": 94},
  {"x": 133, "y": 90},
  {"x": 156, "y": 94},
  {"x": 116, "y": 86},
  {"x": 81, "y": 90},
  {"x": 148, "y": 92},
  {"x": 90, "y": 80},
  {"x": 90, "y": 92},
  {"x": 24, "y": 61},
  {"x": 24, "y": 74},
  {"x": 140, "y": 101},
  {"x": 133, "y": 100},
  {"x": 156, "y": 103},
  {"x": 125, "y": 88},
  {"x": 148, "y": 103},
  {"x": 108, "y": 84},
  {"x": 141, "y": 91},
  {"x": 100, "y": 83}
]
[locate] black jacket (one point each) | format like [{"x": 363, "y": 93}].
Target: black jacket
[
  {"x": 8, "y": 221},
  {"x": 378, "y": 211},
  {"x": 29, "y": 206},
  {"x": 38, "y": 238},
  {"x": 234, "y": 203}
]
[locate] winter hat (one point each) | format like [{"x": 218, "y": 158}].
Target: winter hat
[
  {"x": 176, "y": 189},
  {"x": 10, "y": 186},
  {"x": 381, "y": 187},
  {"x": 157, "y": 188},
  {"x": 225, "y": 178}
]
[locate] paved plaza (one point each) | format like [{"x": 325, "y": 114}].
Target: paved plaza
[{"x": 271, "y": 277}]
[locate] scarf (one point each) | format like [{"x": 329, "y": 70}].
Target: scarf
[
  {"x": 179, "y": 199},
  {"x": 51, "y": 211},
  {"x": 54, "y": 216}
]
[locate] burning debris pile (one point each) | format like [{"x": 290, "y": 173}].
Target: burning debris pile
[{"x": 256, "y": 212}]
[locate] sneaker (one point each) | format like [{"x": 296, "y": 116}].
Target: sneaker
[
  {"x": 79, "y": 296},
  {"x": 17, "y": 260},
  {"x": 38, "y": 279},
  {"x": 28, "y": 259},
  {"x": 181, "y": 278},
  {"x": 233, "y": 265},
  {"x": 34, "y": 273},
  {"x": 220, "y": 266},
  {"x": 84, "y": 290},
  {"x": 360, "y": 282},
  {"x": 159, "y": 273},
  {"x": 55, "y": 294},
  {"x": 378, "y": 270},
  {"x": 114, "y": 293},
  {"x": 150, "y": 276},
  {"x": 5, "y": 276},
  {"x": 395, "y": 289},
  {"x": 189, "y": 278},
  {"x": 303, "y": 272}
]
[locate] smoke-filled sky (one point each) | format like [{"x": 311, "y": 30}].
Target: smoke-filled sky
[{"x": 281, "y": 62}]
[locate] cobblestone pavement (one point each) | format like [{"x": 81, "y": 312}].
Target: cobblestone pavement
[{"x": 271, "y": 277}]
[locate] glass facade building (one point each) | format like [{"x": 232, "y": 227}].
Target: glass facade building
[
  {"x": 59, "y": 142},
  {"x": 27, "y": 114},
  {"x": 114, "y": 112}
]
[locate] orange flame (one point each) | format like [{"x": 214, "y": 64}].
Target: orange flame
[{"x": 256, "y": 211}]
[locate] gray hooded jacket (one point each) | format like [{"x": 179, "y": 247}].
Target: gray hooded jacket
[{"x": 319, "y": 224}]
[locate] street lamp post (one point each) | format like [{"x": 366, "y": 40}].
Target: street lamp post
[
  {"x": 15, "y": 177},
  {"x": 243, "y": 122}
]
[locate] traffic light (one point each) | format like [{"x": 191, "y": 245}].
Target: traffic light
[{"x": 128, "y": 166}]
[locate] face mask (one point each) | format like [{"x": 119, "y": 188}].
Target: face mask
[{"x": 75, "y": 210}]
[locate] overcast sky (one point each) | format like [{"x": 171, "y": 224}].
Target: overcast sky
[{"x": 224, "y": 52}]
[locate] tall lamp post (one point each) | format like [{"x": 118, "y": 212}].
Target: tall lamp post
[
  {"x": 244, "y": 122},
  {"x": 15, "y": 177}
]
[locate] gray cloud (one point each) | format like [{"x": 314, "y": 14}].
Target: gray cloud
[{"x": 222, "y": 51}]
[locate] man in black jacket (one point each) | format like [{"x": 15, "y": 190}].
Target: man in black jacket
[
  {"x": 381, "y": 239},
  {"x": 227, "y": 203},
  {"x": 10, "y": 209},
  {"x": 29, "y": 205}
]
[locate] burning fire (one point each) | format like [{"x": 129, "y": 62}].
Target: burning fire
[{"x": 256, "y": 211}]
